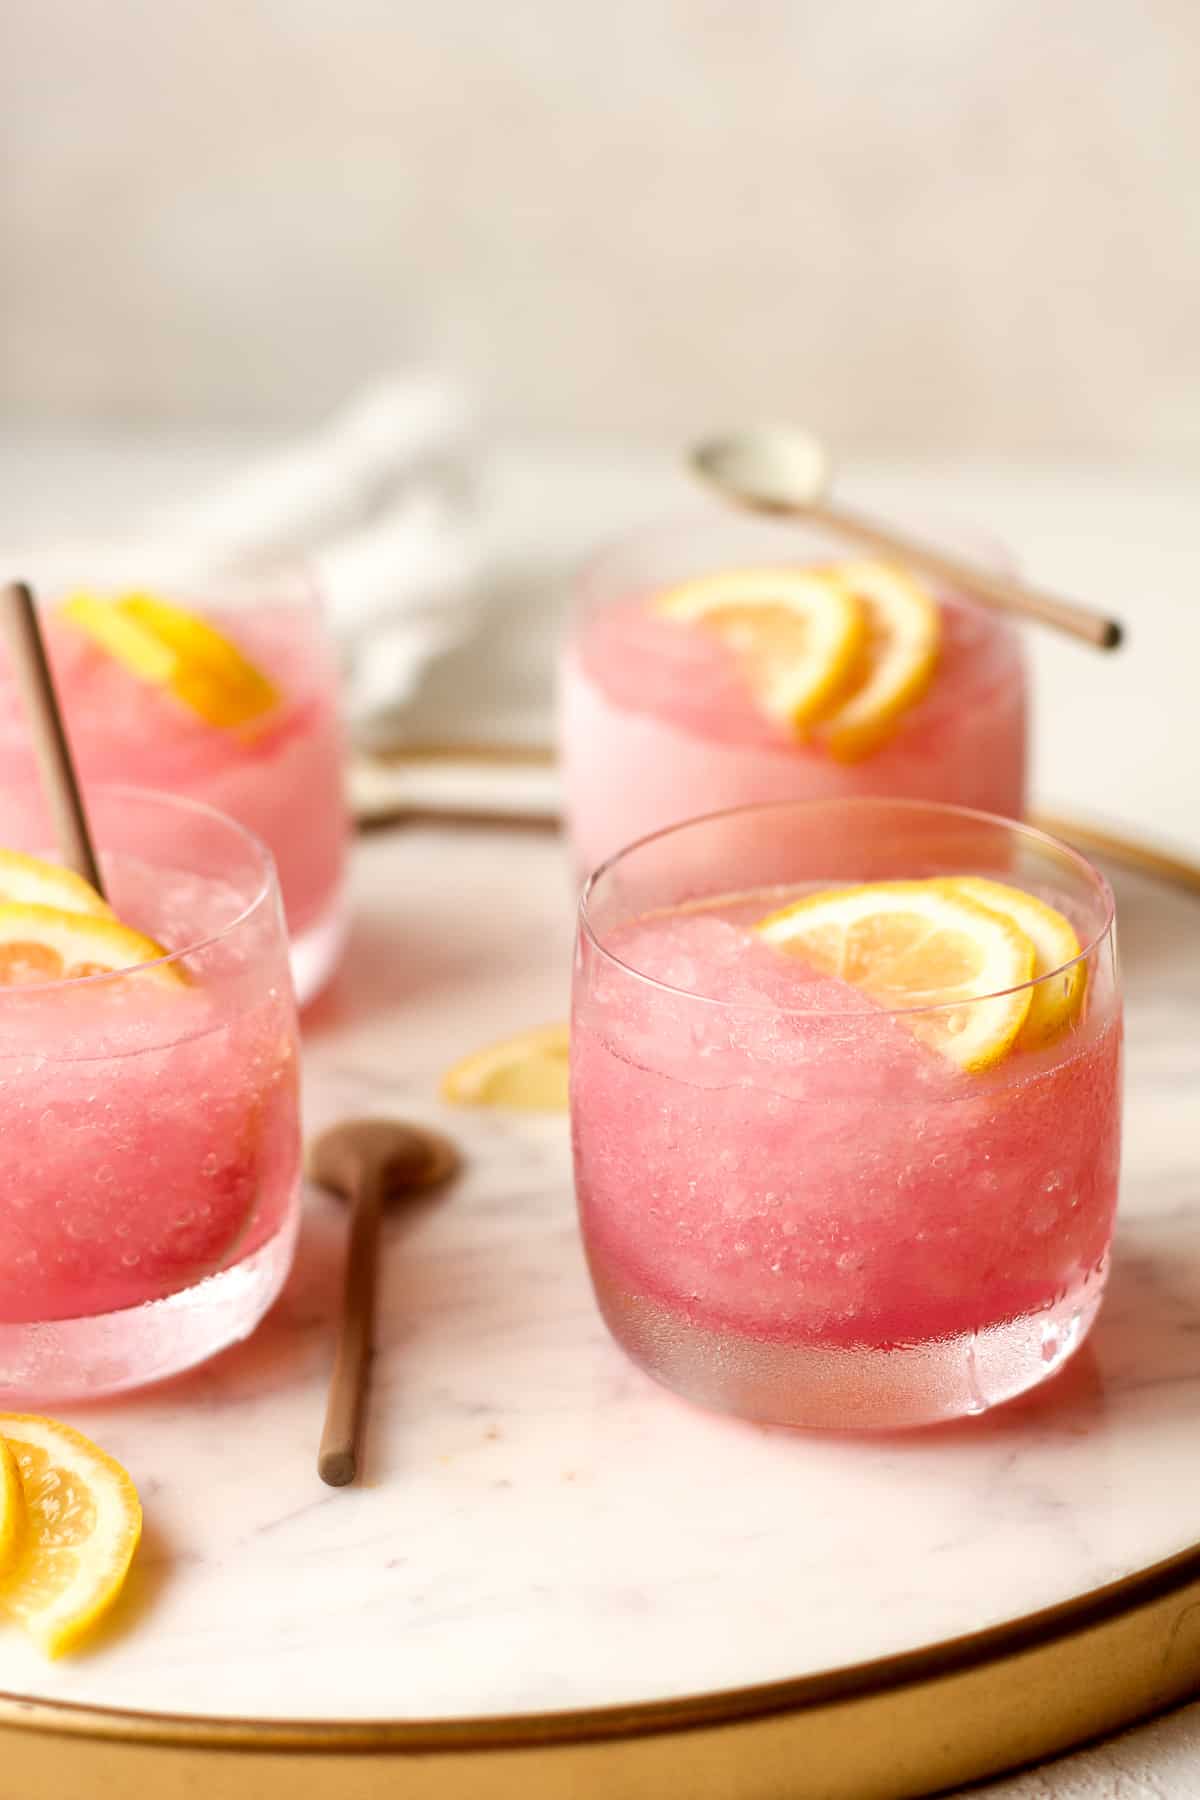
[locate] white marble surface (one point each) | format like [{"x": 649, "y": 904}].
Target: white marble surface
[{"x": 540, "y": 1526}]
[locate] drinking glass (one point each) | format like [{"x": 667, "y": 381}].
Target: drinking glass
[
  {"x": 656, "y": 724},
  {"x": 149, "y": 1117},
  {"x": 793, "y": 1207},
  {"x": 282, "y": 779}
]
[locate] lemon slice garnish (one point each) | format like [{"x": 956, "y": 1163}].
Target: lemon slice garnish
[
  {"x": 82, "y": 1522},
  {"x": 41, "y": 944},
  {"x": 904, "y": 634},
  {"x": 1055, "y": 1004},
  {"x": 798, "y": 635},
  {"x": 170, "y": 648},
  {"x": 27, "y": 880},
  {"x": 12, "y": 1508},
  {"x": 919, "y": 944},
  {"x": 527, "y": 1072}
]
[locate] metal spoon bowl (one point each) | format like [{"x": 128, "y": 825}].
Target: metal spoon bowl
[{"x": 775, "y": 466}]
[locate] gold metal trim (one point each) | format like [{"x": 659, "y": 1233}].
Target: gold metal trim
[
  {"x": 1093, "y": 840},
  {"x": 493, "y": 755},
  {"x": 474, "y": 819},
  {"x": 895, "y": 1727},
  {"x": 1132, "y": 853},
  {"x": 888, "y": 1729}
]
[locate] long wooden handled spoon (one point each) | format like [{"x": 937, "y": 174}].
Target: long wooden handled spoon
[
  {"x": 781, "y": 469},
  {"x": 56, "y": 765},
  {"x": 370, "y": 1163}
]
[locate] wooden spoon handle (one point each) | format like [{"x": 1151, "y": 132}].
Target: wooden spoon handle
[
  {"x": 999, "y": 591},
  {"x": 345, "y": 1410},
  {"x": 56, "y": 767}
]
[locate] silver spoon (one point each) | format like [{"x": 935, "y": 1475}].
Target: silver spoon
[
  {"x": 781, "y": 469},
  {"x": 369, "y": 1162}
]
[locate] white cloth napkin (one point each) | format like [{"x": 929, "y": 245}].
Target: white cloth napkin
[{"x": 379, "y": 504}]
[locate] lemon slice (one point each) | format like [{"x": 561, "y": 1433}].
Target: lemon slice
[
  {"x": 12, "y": 1508},
  {"x": 904, "y": 633},
  {"x": 919, "y": 944},
  {"x": 1054, "y": 1005},
  {"x": 527, "y": 1072},
  {"x": 214, "y": 677},
  {"x": 28, "y": 881},
  {"x": 82, "y": 1523},
  {"x": 799, "y": 635},
  {"x": 40, "y": 944},
  {"x": 170, "y": 648}
]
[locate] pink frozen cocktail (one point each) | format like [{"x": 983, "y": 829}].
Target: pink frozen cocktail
[
  {"x": 149, "y": 1130},
  {"x": 663, "y": 714},
  {"x": 801, "y": 1200},
  {"x": 233, "y": 706}
]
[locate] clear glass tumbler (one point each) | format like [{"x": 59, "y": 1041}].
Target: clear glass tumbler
[
  {"x": 151, "y": 712},
  {"x": 149, "y": 1117},
  {"x": 793, "y": 1207},
  {"x": 657, "y": 724}
]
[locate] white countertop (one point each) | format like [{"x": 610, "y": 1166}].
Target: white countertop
[{"x": 1119, "y": 739}]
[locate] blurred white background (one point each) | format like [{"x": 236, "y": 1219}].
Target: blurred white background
[{"x": 924, "y": 225}]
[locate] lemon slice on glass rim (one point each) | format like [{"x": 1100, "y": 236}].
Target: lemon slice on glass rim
[
  {"x": 921, "y": 948},
  {"x": 1055, "y": 1004},
  {"x": 80, "y": 1525},
  {"x": 904, "y": 634},
  {"x": 527, "y": 1073},
  {"x": 44, "y": 944},
  {"x": 842, "y": 651},
  {"x": 798, "y": 634},
  {"x": 168, "y": 647},
  {"x": 28, "y": 881}
]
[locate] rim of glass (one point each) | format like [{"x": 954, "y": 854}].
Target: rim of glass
[
  {"x": 297, "y": 590},
  {"x": 264, "y": 890},
  {"x": 595, "y": 590},
  {"x": 56, "y": 573},
  {"x": 942, "y": 533},
  {"x": 1086, "y": 869}
]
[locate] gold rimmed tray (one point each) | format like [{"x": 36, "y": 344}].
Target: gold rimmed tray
[
  {"x": 557, "y": 1580},
  {"x": 900, "y": 1726}
]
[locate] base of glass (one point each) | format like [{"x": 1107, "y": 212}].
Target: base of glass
[
  {"x": 316, "y": 951},
  {"x": 844, "y": 1387},
  {"x": 88, "y": 1359}
]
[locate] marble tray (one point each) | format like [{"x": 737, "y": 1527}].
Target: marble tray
[{"x": 541, "y": 1530}]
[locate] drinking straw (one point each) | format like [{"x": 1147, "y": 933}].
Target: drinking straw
[{"x": 56, "y": 767}]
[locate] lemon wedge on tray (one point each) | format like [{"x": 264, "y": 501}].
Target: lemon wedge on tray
[
  {"x": 527, "y": 1073},
  {"x": 78, "y": 1524},
  {"x": 168, "y": 647},
  {"x": 12, "y": 1508}
]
